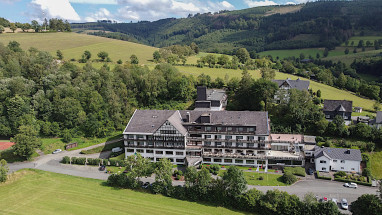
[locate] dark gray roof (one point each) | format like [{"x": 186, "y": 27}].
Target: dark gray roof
[
  {"x": 338, "y": 153},
  {"x": 216, "y": 94},
  {"x": 294, "y": 84},
  {"x": 378, "y": 119},
  {"x": 255, "y": 118},
  {"x": 338, "y": 105},
  {"x": 149, "y": 121}
]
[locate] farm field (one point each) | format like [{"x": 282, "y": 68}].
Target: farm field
[
  {"x": 348, "y": 59},
  {"x": 328, "y": 92},
  {"x": 193, "y": 59},
  {"x": 51, "y": 193},
  {"x": 356, "y": 40},
  {"x": 73, "y": 45}
]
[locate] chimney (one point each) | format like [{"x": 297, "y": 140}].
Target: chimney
[
  {"x": 188, "y": 117},
  {"x": 201, "y": 93}
]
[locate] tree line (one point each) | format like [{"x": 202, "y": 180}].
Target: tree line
[{"x": 53, "y": 24}]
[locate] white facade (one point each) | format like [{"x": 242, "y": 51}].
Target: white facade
[{"x": 326, "y": 164}]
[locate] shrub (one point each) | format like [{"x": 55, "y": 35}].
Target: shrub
[
  {"x": 105, "y": 162},
  {"x": 289, "y": 178},
  {"x": 322, "y": 177},
  {"x": 214, "y": 169},
  {"x": 261, "y": 178},
  {"x": 113, "y": 162},
  {"x": 81, "y": 161},
  {"x": 94, "y": 161},
  {"x": 65, "y": 160},
  {"x": 339, "y": 174},
  {"x": 366, "y": 172},
  {"x": 300, "y": 171}
]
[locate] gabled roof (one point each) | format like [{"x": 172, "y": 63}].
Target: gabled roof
[
  {"x": 294, "y": 84},
  {"x": 233, "y": 118},
  {"x": 149, "y": 121},
  {"x": 338, "y": 105},
  {"x": 338, "y": 153}
]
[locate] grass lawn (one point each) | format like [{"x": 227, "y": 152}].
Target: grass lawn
[
  {"x": 39, "y": 192},
  {"x": 328, "y": 92},
  {"x": 364, "y": 38},
  {"x": 73, "y": 45},
  {"x": 292, "y": 52},
  {"x": 51, "y": 144},
  {"x": 193, "y": 59},
  {"x": 376, "y": 164},
  {"x": 119, "y": 157},
  {"x": 268, "y": 179},
  {"x": 349, "y": 58}
]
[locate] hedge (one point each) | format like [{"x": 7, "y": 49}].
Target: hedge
[
  {"x": 357, "y": 182},
  {"x": 322, "y": 177},
  {"x": 93, "y": 161}
]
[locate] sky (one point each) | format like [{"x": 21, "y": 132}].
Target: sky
[{"x": 121, "y": 10}]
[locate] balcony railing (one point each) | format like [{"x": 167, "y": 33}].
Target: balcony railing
[
  {"x": 266, "y": 147},
  {"x": 154, "y": 146},
  {"x": 251, "y": 156}
]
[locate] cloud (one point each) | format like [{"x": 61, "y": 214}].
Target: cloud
[
  {"x": 159, "y": 9},
  {"x": 93, "y": 1},
  {"x": 101, "y": 14},
  {"x": 53, "y": 9},
  {"x": 288, "y": 3},
  {"x": 9, "y": 1},
  {"x": 252, "y": 3}
]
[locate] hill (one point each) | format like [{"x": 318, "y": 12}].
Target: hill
[
  {"x": 328, "y": 92},
  {"x": 51, "y": 193},
  {"x": 310, "y": 25},
  {"x": 73, "y": 45}
]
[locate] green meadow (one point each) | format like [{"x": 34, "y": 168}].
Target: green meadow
[{"x": 39, "y": 192}]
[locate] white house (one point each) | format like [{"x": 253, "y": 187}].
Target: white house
[{"x": 337, "y": 159}]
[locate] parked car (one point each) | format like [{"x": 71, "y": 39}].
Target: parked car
[
  {"x": 324, "y": 199},
  {"x": 102, "y": 168},
  {"x": 117, "y": 149},
  {"x": 310, "y": 171},
  {"x": 351, "y": 185},
  {"x": 146, "y": 185},
  {"x": 56, "y": 151},
  {"x": 344, "y": 204}
]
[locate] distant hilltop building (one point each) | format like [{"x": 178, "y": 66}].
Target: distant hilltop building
[
  {"x": 285, "y": 85},
  {"x": 210, "y": 99}
]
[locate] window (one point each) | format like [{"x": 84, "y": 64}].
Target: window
[
  {"x": 321, "y": 161},
  {"x": 240, "y": 129},
  {"x": 250, "y": 161},
  {"x": 251, "y": 129},
  {"x": 207, "y": 159},
  {"x": 251, "y": 137},
  {"x": 169, "y": 153},
  {"x": 218, "y": 137},
  {"x": 239, "y": 144},
  {"x": 227, "y": 137},
  {"x": 227, "y": 160},
  {"x": 159, "y": 152},
  {"x": 323, "y": 168},
  {"x": 327, "y": 116},
  {"x": 229, "y": 128},
  {"x": 352, "y": 169},
  {"x": 208, "y": 128},
  {"x": 335, "y": 161},
  {"x": 180, "y": 160},
  {"x": 239, "y": 137},
  {"x": 149, "y": 151},
  {"x": 346, "y": 117},
  {"x": 228, "y": 144},
  {"x": 261, "y": 138},
  {"x": 130, "y": 150},
  {"x": 179, "y": 153},
  {"x": 219, "y": 128},
  {"x": 207, "y": 136},
  {"x": 342, "y": 168},
  {"x": 167, "y": 132},
  {"x": 141, "y": 143},
  {"x": 238, "y": 161},
  {"x": 342, "y": 161},
  {"x": 207, "y": 143},
  {"x": 218, "y": 160},
  {"x": 140, "y": 151},
  {"x": 218, "y": 143}
]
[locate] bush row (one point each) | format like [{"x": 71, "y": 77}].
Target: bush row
[
  {"x": 322, "y": 177},
  {"x": 93, "y": 161},
  {"x": 358, "y": 182}
]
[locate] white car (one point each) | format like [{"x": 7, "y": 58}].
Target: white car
[
  {"x": 117, "y": 149},
  {"x": 344, "y": 204},
  {"x": 334, "y": 201},
  {"x": 57, "y": 151},
  {"x": 351, "y": 185}
]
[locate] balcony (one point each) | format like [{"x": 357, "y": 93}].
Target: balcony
[
  {"x": 154, "y": 146},
  {"x": 251, "y": 156},
  {"x": 265, "y": 147}
]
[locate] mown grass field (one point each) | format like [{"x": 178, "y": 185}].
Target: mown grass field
[
  {"x": 349, "y": 58},
  {"x": 193, "y": 59},
  {"x": 376, "y": 164},
  {"x": 73, "y": 45},
  {"x": 253, "y": 178},
  {"x": 328, "y": 92},
  {"x": 39, "y": 192}
]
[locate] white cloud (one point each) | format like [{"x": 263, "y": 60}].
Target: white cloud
[
  {"x": 288, "y": 3},
  {"x": 101, "y": 14},
  {"x": 158, "y": 9},
  {"x": 53, "y": 9},
  {"x": 94, "y": 1},
  {"x": 252, "y": 3}
]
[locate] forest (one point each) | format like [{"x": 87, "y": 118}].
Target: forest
[{"x": 316, "y": 24}]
